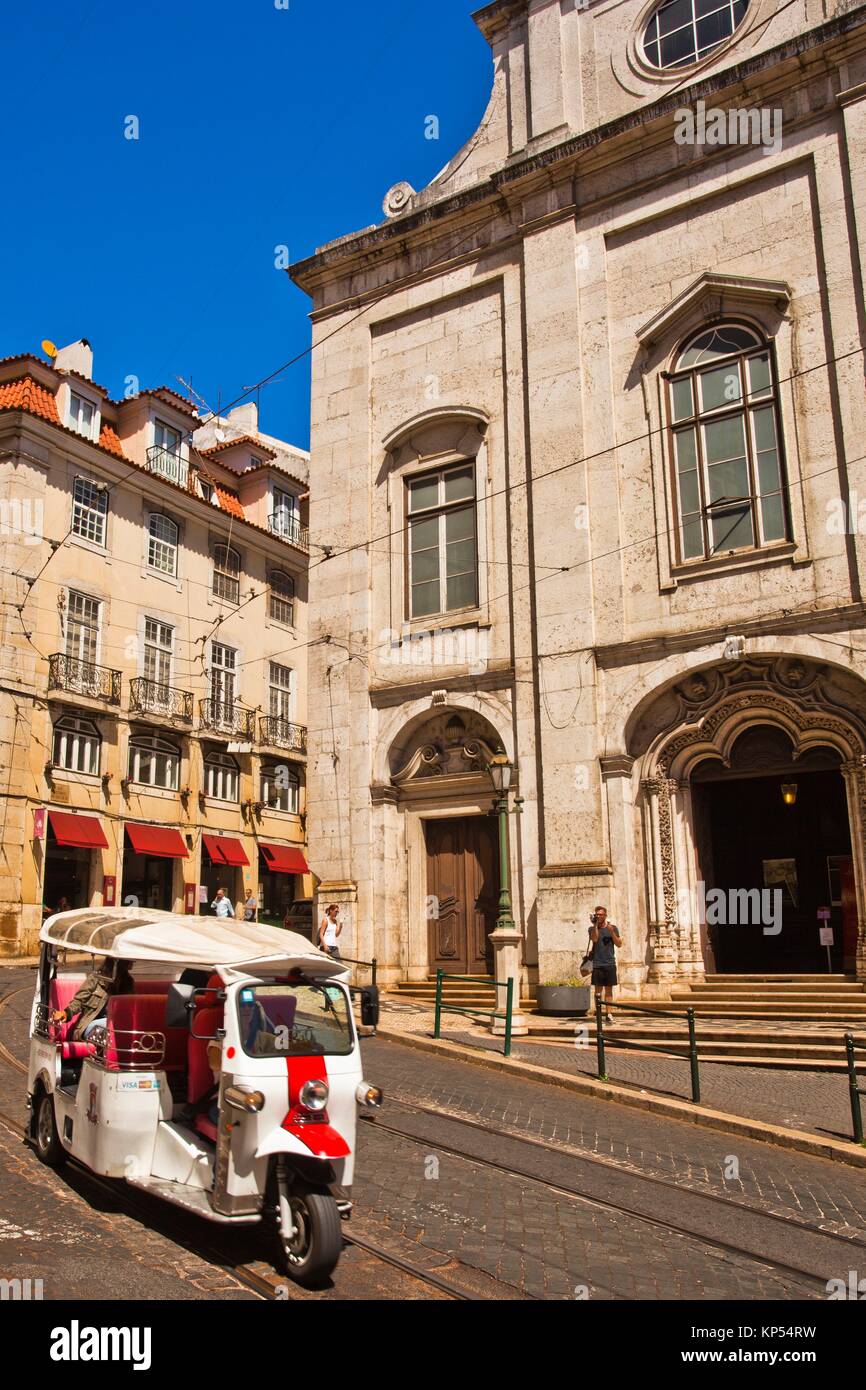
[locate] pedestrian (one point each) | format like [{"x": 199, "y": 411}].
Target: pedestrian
[
  {"x": 221, "y": 905},
  {"x": 330, "y": 931},
  {"x": 605, "y": 938},
  {"x": 251, "y": 906}
]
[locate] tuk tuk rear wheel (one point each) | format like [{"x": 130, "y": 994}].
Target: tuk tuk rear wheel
[
  {"x": 312, "y": 1252},
  {"x": 46, "y": 1139}
]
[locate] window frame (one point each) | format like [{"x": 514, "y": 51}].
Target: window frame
[
  {"x": 223, "y": 572},
  {"x": 219, "y": 672},
  {"x": 76, "y": 620},
  {"x": 744, "y": 408},
  {"x": 87, "y": 509},
  {"x": 228, "y": 765},
  {"x": 158, "y": 748},
  {"x": 277, "y": 599},
  {"x": 162, "y": 650},
  {"x": 154, "y": 541},
  {"x": 292, "y": 793},
  {"x": 440, "y": 511},
  {"x": 276, "y": 690},
  {"x": 76, "y": 398},
  {"x": 85, "y": 734},
  {"x": 700, "y": 54},
  {"x": 173, "y": 450}
]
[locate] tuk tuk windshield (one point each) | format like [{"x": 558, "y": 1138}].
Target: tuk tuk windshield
[{"x": 298, "y": 1020}]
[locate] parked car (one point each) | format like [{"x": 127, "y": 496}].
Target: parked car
[{"x": 299, "y": 918}]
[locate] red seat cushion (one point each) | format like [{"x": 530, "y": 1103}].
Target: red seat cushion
[
  {"x": 205, "y": 1126},
  {"x": 136, "y": 1029}
]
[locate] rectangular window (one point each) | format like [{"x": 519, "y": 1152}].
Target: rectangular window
[
  {"x": 226, "y": 574},
  {"x": 223, "y": 676},
  {"x": 76, "y": 746},
  {"x": 286, "y": 520},
  {"x": 281, "y": 703},
  {"x": 89, "y": 510},
  {"x": 167, "y": 439},
  {"x": 162, "y": 545},
  {"x": 82, "y": 416},
  {"x": 280, "y": 789},
  {"x": 82, "y": 627},
  {"x": 158, "y": 649},
  {"x": 442, "y": 542}
]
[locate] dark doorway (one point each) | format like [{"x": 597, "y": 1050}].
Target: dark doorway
[
  {"x": 67, "y": 874},
  {"x": 463, "y": 893},
  {"x": 214, "y": 876},
  {"x": 148, "y": 880},
  {"x": 749, "y": 839}
]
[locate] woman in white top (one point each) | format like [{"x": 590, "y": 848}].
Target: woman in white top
[{"x": 329, "y": 932}]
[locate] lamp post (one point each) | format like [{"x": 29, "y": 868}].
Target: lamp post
[{"x": 506, "y": 938}]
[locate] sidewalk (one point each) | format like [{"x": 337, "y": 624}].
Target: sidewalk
[{"x": 810, "y": 1103}]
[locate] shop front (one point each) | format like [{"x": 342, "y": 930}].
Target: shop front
[
  {"x": 71, "y": 868},
  {"x": 224, "y": 864},
  {"x": 281, "y": 881},
  {"x": 149, "y": 858}
]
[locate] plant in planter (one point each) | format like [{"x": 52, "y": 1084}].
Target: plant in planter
[{"x": 563, "y": 998}]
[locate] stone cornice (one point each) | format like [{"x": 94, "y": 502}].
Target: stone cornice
[
  {"x": 335, "y": 256},
  {"x": 386, "y": 696}
]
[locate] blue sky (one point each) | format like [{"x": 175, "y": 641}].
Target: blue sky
[{"x": 258, "y": 127}]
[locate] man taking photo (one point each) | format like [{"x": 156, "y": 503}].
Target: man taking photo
[{"x": 605, "y": 939}]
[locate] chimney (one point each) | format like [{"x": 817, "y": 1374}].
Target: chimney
[
  {"x": 245, "y": 417},
  {"x": 77, "y": 357}
]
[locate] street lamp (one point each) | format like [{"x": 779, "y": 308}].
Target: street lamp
[{"x": 506, "y": 939}]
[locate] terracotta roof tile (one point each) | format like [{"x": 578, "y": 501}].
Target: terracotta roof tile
[
  {"x": 108, "y": 440},
  {"x": 27, "y": 394},
  {"x": 229, "y": 502}
]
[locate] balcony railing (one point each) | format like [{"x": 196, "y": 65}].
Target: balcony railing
[
  {"x": 288, "y": 528},
  {"x": 152, "y": 697},
  {"x": 228, "y": 718},
  {"x": 83, "y": 678},
  {"x": 280, "y": 733},
  {"x": 168, "y": 465}
]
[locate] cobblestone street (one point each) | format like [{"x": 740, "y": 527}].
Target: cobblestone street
[{"x": 605, "y": 1202}]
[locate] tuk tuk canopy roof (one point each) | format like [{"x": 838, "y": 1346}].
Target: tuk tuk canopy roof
[{"x": 133, "y": 933}]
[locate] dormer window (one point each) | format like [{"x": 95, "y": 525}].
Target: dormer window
[{"x": 82, "y": 416}]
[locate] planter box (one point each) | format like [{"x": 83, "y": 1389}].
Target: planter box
[{"x": 562, "y": 1001}]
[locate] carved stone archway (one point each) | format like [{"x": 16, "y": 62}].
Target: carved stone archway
[{"x": 816, "y": 707}]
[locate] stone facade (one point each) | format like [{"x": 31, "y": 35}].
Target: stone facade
[{"x": 523, "y": 315}]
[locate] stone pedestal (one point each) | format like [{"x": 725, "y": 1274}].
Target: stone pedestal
[{"x": 507, "y": 945}]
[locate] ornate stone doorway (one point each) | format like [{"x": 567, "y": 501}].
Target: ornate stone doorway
[{"x": 698, "y": 746}]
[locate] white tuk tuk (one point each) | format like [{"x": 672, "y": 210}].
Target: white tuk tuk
[{"x": 223, "y": 1078}]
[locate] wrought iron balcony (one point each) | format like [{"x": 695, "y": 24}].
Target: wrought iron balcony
[
  {"x": 168, "y": 465},
  {"x": 83, "y": 678},
  {"x": 228, "y": 717},
  {"x": 288, "y": 528},
  {"x": 152, "y": 697},
  {"x": 280, "y": 733}
]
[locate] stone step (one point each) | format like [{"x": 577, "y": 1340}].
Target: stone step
[
  {"x": 728, "y": 1009},
  {"x": 833, "y": 987}
]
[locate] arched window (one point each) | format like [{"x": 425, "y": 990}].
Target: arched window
[
  {"x": 281, "y": 605},
  {"x": 281, "y": 787},
  {"x": 221, "y": 777},
  {"x": 727, "y": 458},
  {"x": 162, "y": 544},
  {"x": 77, "y": 746},
  {"x": 681, "y": 32},
  {"x": 226, "y": 573},
  {"x": 154, "y": 762}
]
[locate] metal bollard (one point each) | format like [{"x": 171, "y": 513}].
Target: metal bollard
[
  {"x": 599, "y": 1037},
  {"x": 437, "y": 1030},
  {"x": 693, "y": 1059},
  {"x": 854, "y": 1089},
  {"x": 509, "y": 1005}
]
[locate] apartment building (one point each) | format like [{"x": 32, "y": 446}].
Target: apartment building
[{"x": 153, "y": 688}]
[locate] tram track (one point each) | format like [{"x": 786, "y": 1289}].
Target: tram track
[
  {"x": 816, "y": 1280},
  {"x": 268, "y": 1283}
]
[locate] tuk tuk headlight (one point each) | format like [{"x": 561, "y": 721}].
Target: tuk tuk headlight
[
  {"x": 371, "y": 1096},
  {"x": 249, "y": 1101},
  {"x": 314, "y": 1095}
]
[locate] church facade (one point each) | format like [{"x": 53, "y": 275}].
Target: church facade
[{"x": 587, "y": 450}]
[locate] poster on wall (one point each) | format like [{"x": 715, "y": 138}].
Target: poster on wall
[{"x": 782, "y": 873}]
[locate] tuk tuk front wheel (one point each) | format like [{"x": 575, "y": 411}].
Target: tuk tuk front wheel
[
  {"x": 311, "y": 1249},
  {"x": 46, "y": 1139}
]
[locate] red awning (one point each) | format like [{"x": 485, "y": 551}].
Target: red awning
[
  {"x": 223, "y": 850},
  {"x": 284, "y": 859},
  {"x": 157, "y": 840},
  {"x": 84, "y": 832}
]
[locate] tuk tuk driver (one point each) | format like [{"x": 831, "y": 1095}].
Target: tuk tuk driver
[{"x": 90, "y": 1004}]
